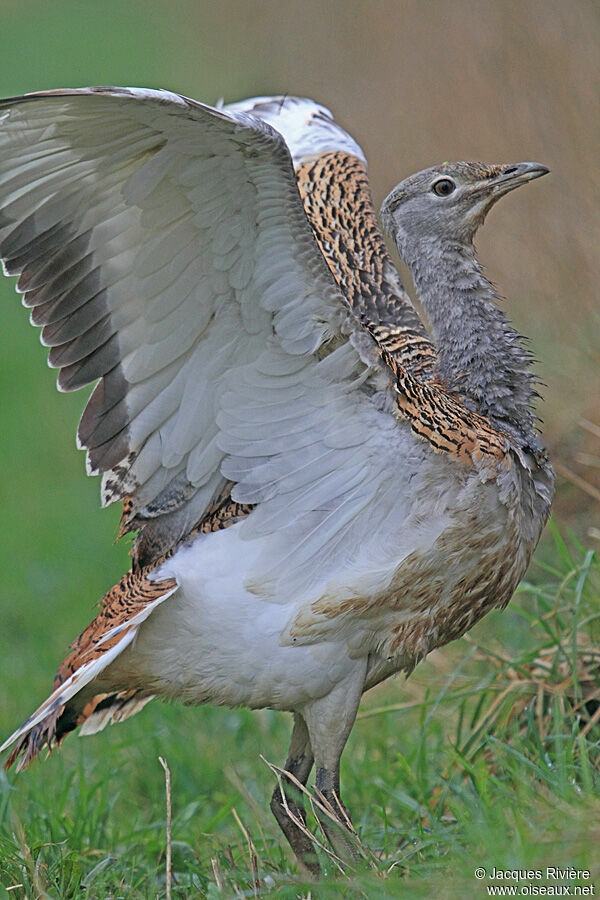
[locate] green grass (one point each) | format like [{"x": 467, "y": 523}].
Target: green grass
[
  {"x": 487, "y": 756},
  {"x": 479, "y": 758}
]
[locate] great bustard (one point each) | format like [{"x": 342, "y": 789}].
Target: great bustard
[{"x": 322, "y": 494}]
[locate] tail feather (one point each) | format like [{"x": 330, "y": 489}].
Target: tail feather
[
  {"x": 102, "y": 710},
  {"x": 74, "y": 701},
  {"x": 112, "y": 708},
  {"x": 29, "y": 744}
]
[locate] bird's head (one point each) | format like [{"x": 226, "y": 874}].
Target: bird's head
[{"x": 449, "y": 202}]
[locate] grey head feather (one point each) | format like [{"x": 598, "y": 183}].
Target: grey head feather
[{"x": 433, "y": 216}]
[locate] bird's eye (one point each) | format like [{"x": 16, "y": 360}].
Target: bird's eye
[{"x": 443, "y": 187}]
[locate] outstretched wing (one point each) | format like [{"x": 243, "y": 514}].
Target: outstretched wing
[{"x": 162, "y": 246}]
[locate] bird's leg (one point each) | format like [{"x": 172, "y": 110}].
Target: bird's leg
[
  {"x": 329, "y": 721},
  {"x": 286, "y": 802}
]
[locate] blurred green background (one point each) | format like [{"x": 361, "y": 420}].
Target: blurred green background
[{"x": 416, "y": 83}]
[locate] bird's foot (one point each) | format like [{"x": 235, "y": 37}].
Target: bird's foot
[
  {"x": 291, "y": 818},
  {"x": 337, "y": 825}
]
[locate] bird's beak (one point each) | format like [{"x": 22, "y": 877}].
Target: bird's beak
[{"x": 513, "y": 176}]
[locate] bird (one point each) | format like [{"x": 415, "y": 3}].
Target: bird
[{"x": 323, "y": 489}]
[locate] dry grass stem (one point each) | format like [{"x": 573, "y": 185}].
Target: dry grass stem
[
  {"x": 258, "y": 811},
  {"x": 168, "y": 802},
  {"x": 317, "y": 802},
  {"x": 280, "y": 773},
  {"x": 588, "y": 459},
  {"x": 217, "y": 873},
  {"x": 236, "y": 887},
  {"x": 577, "y": 480},
  {"x": 252, "y": 854},
  {"x": 590, "y": 427}
]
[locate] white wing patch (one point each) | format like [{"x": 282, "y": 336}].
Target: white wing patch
[{"x": 308, "y": 128}]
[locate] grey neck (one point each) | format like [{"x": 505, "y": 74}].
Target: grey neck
[{"x": 481, "y": 356}]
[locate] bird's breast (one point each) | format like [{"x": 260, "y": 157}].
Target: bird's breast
[{"x": 471, "y": 563}]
